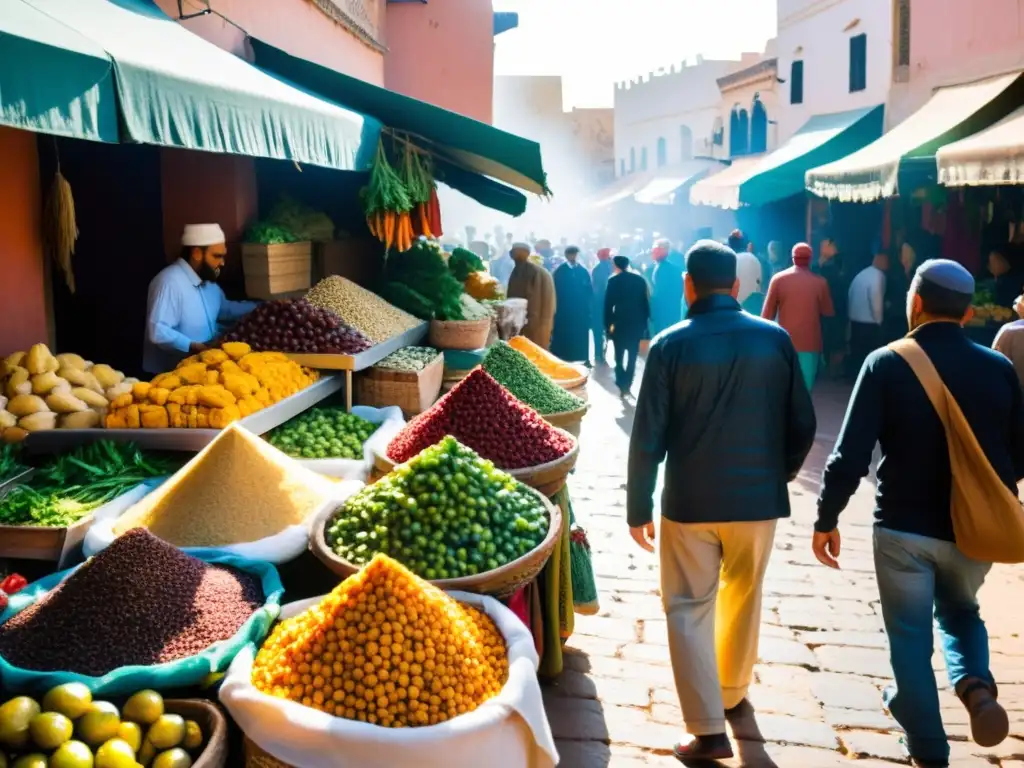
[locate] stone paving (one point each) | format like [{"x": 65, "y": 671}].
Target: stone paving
[{"x": 823, "y": 653}]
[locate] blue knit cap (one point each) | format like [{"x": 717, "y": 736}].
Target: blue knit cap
[{"x": 947, "y": 274}]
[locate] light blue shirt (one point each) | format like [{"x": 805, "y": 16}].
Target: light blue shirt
[{"x": 183, "y": 309}]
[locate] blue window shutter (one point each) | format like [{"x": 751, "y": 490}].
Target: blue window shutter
[
  {"x": 643, "y": 158},
  {"x": 858, "y": 63},
  {"x": 796, "y": 82}
]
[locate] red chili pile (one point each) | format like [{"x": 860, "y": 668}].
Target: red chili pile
[
  {"x": 297, "y": 326},
  {"x": 482, "y": 414},
  {"x": 140, "y": 601}
]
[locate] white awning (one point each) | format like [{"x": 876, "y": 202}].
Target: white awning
[
  {"x": 662, "y": 188},
  {"x": 620, "y": 189},
  {"x": 722, "y": 190},
  {"x": 992, "y": 157},
  {"x": 871, "y": 173}
]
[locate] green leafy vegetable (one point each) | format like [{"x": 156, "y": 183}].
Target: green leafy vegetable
[
  {"x": 265, "y": 233},
  {"x": 301, "y": 220},
  {"x": 423, "y": 270},
  {"x": 464, "y": 262}
]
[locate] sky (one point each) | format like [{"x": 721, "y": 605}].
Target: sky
[{"x": 594, "y": 43}]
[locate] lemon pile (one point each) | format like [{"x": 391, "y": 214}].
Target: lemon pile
[{"x": 385, "y": 647}]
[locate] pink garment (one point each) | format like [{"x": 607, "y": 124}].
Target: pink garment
[
  {"x": 797, "y": 300},
  {"x": 520, "y": 606}
]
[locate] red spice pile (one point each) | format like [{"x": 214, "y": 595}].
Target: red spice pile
[{"x": 482, "y": 414}]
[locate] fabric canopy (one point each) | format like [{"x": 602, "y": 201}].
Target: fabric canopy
[
  {"x": 722, "y": 190},
  {"x": 175, "y": 89},
  {"x": 466, "y": 142},
  {"x": 822, "y": 139},
  {"x": 951, "y": 113},
  {"x": 992, "y": 157},
  {"x": 620, "y": 189},
  {"x": 52, "y": 78},
  {"x": 661, "y": 189}
]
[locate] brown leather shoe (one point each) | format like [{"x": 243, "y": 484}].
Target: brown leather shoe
[
  {"x": 989, "y": 723},
  {"x": 716, "y": 747}
]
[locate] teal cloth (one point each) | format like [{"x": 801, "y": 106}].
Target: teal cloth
[
  {"x": 175, "y": 89},
  {"x": 175, "y": 674},
  {"x": 53, "y": 79},
  {"x": 809, "y": 362},
  {"x": 821, "y": 140},
  {"x": 754, "y": 303}
]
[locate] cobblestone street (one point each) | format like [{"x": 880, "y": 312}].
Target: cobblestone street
[{"x": 823, "y": 654}]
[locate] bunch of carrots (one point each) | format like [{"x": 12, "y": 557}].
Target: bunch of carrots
[{"x": 387, "y": 205}]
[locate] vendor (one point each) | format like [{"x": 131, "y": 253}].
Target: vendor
[
  {"x": 1008, "y": 279},
  {"x": 185, "y": 303}
]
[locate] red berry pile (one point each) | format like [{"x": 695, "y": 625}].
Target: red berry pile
[
  {"x": 483, "y": 415},
  {"x": 297, "y": 326}
]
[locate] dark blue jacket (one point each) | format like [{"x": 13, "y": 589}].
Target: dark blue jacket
[
  {"x": 889, "y": 406},
  {"x": 723, "y": 403}
]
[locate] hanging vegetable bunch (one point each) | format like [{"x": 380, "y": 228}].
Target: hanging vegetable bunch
[
  {"x": 419, "y": 180},
  {"x": 387, "y": 205}
]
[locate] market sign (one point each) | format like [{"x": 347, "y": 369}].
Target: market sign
[{"x": 359, "y": 16}]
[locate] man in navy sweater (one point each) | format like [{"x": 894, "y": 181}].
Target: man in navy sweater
[{"x": 919, "y": 569}]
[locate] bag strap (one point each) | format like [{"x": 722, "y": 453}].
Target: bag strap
[{"x": 924, "y": 369}]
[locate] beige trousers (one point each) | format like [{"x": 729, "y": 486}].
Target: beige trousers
[{"x": 711, "y": 576}]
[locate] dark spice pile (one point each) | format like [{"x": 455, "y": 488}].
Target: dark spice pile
[
  {"x": 140, "y": 601},
  {"x": 297, "y": 326},
  {"x": 483, "y": 415}
]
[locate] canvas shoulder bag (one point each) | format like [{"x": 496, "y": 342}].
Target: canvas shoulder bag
[{"x": 988, "y": 520}]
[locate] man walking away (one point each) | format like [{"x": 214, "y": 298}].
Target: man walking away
[
  {"x": 626, "y": 313},
  {"x": 831, "y": 266},
  {"x": 722, "y": 398},
  {"x": 667, "y": 289},
  {"x": 748, "y": 267},
  {"x": 574, "y": 295},
  {"x": 866, "y": 304},
  {"x": 532, "y": 282},
  {"x": 798, "y": 299},
  {"x": 919, "y": 569},
  {"x": 1010, "y": 340},
  {"x": 599, "y": 276}
]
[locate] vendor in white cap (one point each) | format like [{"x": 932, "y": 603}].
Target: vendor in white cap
[{"x": 185, "y": 303}]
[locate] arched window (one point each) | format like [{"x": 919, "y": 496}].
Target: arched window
[
  {"x": 643, "y": 158},
  {"x": 686, "y": 143},
  {"x": 622, "y": 166},
  {"x": 739, "y": 131},
  {"x": 758, "y": 126},
  {"x": 632, "y": 159},
  {"x": 662, "y": 151}
]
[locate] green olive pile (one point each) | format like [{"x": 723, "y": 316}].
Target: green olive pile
[
  {"x": 323, "y": 433},
  {"x": 409, "y": 359},
  {"x": 444, "y": 514},
  {"x": 70, "y": 730}
]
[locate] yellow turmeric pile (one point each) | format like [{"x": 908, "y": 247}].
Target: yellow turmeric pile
[
  {"x": 210, "y": 390},
  {"x": 551, "y": 366}
]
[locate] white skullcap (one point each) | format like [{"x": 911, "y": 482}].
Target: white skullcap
[
  {"x": 520, "y": 247},
  {"x": 200, "y": 235}
]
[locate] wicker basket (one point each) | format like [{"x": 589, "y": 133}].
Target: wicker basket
[
  {"x": 412, "y": 391},
  {"x": 459, "y": 334},
  {"x": 500, "y": 583},
  {"x": 213, "y": 725},
  {"x": 257, "y": 758},
  {"x": 570, "y": 421},
  {"x": 574, "y": 383}
]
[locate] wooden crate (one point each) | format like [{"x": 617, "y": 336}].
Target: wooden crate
[
  {"x": 36, "y": 542},
  {"x": 272, "y": 270},
  {"x": 412, "y": 391}
]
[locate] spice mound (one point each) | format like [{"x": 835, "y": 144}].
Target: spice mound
[
  {"x": 518, "y": 375},
  {"x": 447, "y": 513},
  {"x": 409, "y": 359},
  {"x": 140, "y": 601},
  {"x": 360, "y": 308},
  {"x": 481, "y": 414},
  {"x": 297, "y": 326},
  {"x": 385, "y": 648},
  {"x": 552, "y": 366},
  {"x": 238, "y": 489}
]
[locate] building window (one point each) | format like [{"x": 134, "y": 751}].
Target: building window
[
  {"x": 685, "y": 143},
  {"x": 758, "y": 126},
  {"x": 632, "y": 159},
  {"x": 622, "y": 166},
  {"x": 662, "y": 151},
  {"x": 643, "y": 158},
  {"x": 858, "y": 63},
  {"x": 796, "y": 82},
  {"x": 901, "y": 49},
  {"x": 739, "y": 132}
]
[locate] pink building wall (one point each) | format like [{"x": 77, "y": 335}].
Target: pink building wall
[
  {"x": 443, "y": 52},
  {"x": 956, "y": 41}
]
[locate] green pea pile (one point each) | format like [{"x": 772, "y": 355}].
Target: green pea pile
[
  {"x": 446, "y": 513},
  {"x": 323, "y": 433},
  {"x": 514, "y": 371},
  {"x": 409, "y": 359}
]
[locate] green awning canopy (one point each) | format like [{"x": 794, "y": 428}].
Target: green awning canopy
[
  {"x": 52, "y": 78},
  {"x": 175, "y": 89},
  {"x": 473, "y": 145},
  {"x": 821, "y": 140}
]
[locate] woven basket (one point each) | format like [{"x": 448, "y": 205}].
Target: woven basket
[
  {"x": 570, "y": 421},
  {"x": 213, "y": 725},
  {"x": 257, "y": 758},
  {"x": 412, "y": 391},
  {"x": 459, "y": 334},
  {"x": 500, "y": 583},
  {"x": 571, "y": 384}
]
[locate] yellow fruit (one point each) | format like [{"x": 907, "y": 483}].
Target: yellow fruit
[
  {"x": 131, "y": 733},
  {"x": 72, "y": 754},
  {"x": 116, "y": 753},
  {"x": 146, "y": 753},
  {"x": 193, "y": 736},
  {"x": 99, "y": 724},
  {"x": 49, "y": 730},
  {"x": 167, "y": 732},
  {"x": 70, "y": 699},
  {"x": 172, "y": 758},
  {"x": 15, "y": 716},
  {"x": 35, "y": 760},
  {"x": 144, "y": 707}
]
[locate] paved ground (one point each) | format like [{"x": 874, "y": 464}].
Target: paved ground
[{"x": 823, "y": 657}]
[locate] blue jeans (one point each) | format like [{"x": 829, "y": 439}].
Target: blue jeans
[{"x": 919, "y": 579}]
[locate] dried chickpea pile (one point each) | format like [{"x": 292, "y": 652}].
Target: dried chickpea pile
[
  {"x": 360, "y": 308},
  {"x": 385, "y": 647}
]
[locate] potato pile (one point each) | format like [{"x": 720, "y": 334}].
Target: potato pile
[
  {"x": 210, "y": 390},
  {"x": 40, "y": 391},
  {"x": 387, "y": 648}
]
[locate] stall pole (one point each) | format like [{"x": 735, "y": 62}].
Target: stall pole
[{"x": 348, "y": 391}]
